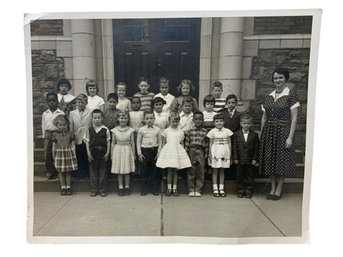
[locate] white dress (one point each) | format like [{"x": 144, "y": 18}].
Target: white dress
[
  {"x": 173, "y": 155},
  {"x": 221, "y": 148}
]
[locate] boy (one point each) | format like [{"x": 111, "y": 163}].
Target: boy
[
  {"x": 98, "y": 140},
  {"x": 47, "y": 128},
  {"x": 231, "y": 115},
  {"x": 245, "y": 155},
  {"x": 149, "y": 144},
  {"x": 196, "y": 145},
  {"x": 80, "y": 120},
  {"x": 186, "y": 116},
  {"x": 110, "y": 111},
  {"x": 220, "y": 102},
  {"x": 145, "y": 96},
  {"x": 164, "y": 94}
]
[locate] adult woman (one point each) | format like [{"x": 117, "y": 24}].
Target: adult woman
[{"x": 279, "y": 119}]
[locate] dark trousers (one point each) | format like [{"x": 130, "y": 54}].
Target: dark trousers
[
  {"x": 195, "y": 175},
  {"x": 245, "y": 178},
  {"x": 98, "y": 170},
  {"x": 151, "y": 176},
  {"x": 82, "y": 162},
  {"x": 49, "y": 160}
]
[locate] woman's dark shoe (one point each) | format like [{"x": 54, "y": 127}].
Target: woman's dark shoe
[{"x": 270, "y": 197}]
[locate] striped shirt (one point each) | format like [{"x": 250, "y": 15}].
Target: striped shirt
[
  {"x": 208, "y": 120},
  {"x": 196, "y": 137},
  {"x": 146, "y": 100},
  {"x": 219, "y": 104}
]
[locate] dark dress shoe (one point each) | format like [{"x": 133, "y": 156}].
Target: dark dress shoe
[
  {"x": 103, "y": 194},
  {"x": 69, "y": 191},
  {"x": 93, "y": 194},
  {"x": 155, "y": 193},
  {"x": 240, "y": 195},
  {"x": 143, "y": 193},
  {"x": 63, "y": 191},
  {"x": 248, "y": 195},
  {"x": 276, "y": 197},
  {"x": 269, "y": 196}
]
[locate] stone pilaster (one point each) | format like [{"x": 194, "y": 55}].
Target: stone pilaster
[{"x": 83, "y": 49}]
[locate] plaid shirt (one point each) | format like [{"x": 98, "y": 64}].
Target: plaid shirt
[{"x": 196, "y": 137}]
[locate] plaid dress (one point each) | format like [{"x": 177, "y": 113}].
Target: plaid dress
[{"x": 64, "y": 151}]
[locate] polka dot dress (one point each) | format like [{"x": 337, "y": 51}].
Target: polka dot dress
[{"x": 274, "y": 158}]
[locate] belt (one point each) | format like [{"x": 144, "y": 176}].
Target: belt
[
  {"x": 98, "y": 148},
  {"x": 199, "y": 147},
  {"x": 278, "y": 122},
  {"x": 123, "y": 143}
]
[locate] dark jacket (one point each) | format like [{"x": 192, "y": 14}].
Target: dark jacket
[{"x": 243, "y": 151}]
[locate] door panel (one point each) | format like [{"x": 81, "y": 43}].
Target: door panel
[{"x": 156, "y": 47}]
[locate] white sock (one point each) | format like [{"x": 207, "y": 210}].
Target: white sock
[
  {"x": 63, "y": 187},
  {"x": 221, "y": 187},
  {"x": 67, "y": 187},
  {"x": 174, "y": 187},
  {"x": 169, "y": 186},
  {"x": 121, "y": 187},
  {"x": 215, "y": 187}
]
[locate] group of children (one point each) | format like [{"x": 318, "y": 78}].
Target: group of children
[{"x": 149, "y": 135}]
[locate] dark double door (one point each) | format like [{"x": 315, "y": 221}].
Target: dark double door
[{"x": 156, "y": 47}]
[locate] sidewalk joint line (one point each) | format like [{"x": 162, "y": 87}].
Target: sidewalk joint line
[
  {"x": 52, "y": 216},
  {"x": 268, "y": 218}
]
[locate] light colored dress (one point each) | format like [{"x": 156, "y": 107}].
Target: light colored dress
[
  {"x": 173, "y": 155},
  {"x": 161, "y": 120},
  {"x": 221, "y": 147},
  {"x": 123, "y": 161},
  {"x": 94, "y": 102},
  {"x": 124, "y": 104}
]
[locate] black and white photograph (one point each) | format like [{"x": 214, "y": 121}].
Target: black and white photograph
[{"x": 170, "y": 127}]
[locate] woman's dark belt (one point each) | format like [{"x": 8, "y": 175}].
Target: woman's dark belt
[
  {"x": 199, "y": 147},
  {"x": 279, "y": 122}
]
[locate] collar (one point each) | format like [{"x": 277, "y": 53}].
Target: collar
[
  {"x": 98, "y": 128},
  {"x": 245, "y": 132},
  {"x": 233, "y": 111},
  {"x": 56, "y": 111},
  {"x": 221, "y": 129},
  {"x": 284, "y": 92},
  {"x": 186, "y": 115},
  {"x": 152, "y": 126}
]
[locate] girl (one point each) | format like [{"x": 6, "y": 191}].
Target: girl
[
  {"x": 123, "y": 145},
  {"x": 63, "y": 152},
  {"x": 219, "y": 153},
  {"x": 173, "y": 156},
  {"x": 123, "y": 102},
  {"x": 185, "y": 87},
  {"x": 164, "y": 94},
  {"x": 144, "y": 94},
  {"x": 161, "y": 118},
  {"x": 209, "y": 113},
  {"x": 94, "y": 101},
  {"x": 66, "y": 100}
]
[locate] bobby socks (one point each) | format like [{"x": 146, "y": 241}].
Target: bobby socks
[
  {"x": 221, "y": 187},
  {"x": 215, "y": 187},
  {"x": 174, "y": 187},
  {"x": 169, "y": 186}
]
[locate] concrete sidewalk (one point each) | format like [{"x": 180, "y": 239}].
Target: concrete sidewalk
[{"x": 135, "y": 215}]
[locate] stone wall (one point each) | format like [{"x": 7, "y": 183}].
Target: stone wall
[
  {"x": 47, "y": 69},
  {"x": 283, "y": 25},
  {"x": 47, "y": 28},
  {"x": 297, "y": 61}
]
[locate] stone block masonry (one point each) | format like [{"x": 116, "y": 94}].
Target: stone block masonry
[
  {"x": 47, "y": 28},
  {"x": 47, "y": 69},
  {"x": 283, "y": 25}
]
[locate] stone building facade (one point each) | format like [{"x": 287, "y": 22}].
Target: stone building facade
[{"x": 241, "y": 52}]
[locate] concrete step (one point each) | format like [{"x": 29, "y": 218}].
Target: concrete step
[
  {"x": 262, "y": 185},
  {"x": 39, "y": 155}
]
